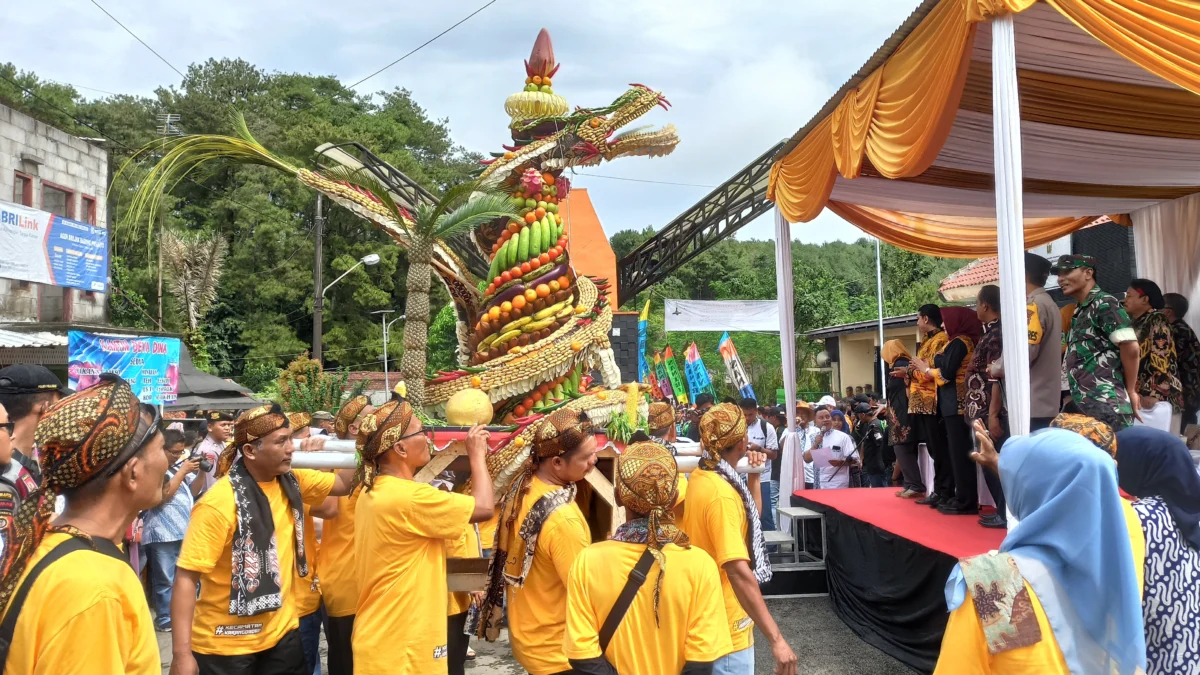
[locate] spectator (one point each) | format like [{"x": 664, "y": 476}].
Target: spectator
[
  {"x": 858, "y": 391},
  {"x": 322, "y": 421},
  {"x": 1187, "y": 349},
  {"x": 164, "y": 526},
  {"x": 703, "y": 403},
  {"x": 220, "y": 428},
  {"x": 807, "y": 430},
  {"x": 834, "y": 440},
  {"x": 850, "y": 392},
  {"x": 307, "y": 591},
  {"x": 1102, "y": 352},
  {"x": 868, "y": 389},
  {"x": 27, "y": 392},
  {"x": 900, "y": 431},
  {"x": 985, "y": 404},
  {"x": 761, "y": 437},
  {"x": 16, "y": 483},
  {"x": 871, "y": 442},
  {"x": 923, "y": 406},
  {"x": 1158, "y": 385}
]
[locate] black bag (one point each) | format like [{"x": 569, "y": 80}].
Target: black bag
[{"x": 637, "y": 577}]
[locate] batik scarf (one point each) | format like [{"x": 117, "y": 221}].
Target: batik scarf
[
  {"x": 722, "y": 427},
  {"x": 979, "y": 387},
  {"x": 83, "y": 435},
  {"x": 562, "y": 430},
  {"x": 647, "y": 483},
  {"x": 1099, "y": 433},
  {"x": 255, "y": 583}
]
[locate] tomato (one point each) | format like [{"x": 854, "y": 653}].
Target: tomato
[
  {"x": 555, "y": 252},
  {"x": 495, "y": 247},
  {"x": 519, "y": 302},
  {"x": 539, "y": 212},
  {"x": 514, "y": 227},
  {"x": 519, "y": 411},
  {"x": 537, "y": 396},
  {"x": 515, "y": 272},
  {"x": 542, "y": 291},
  {"x": 562, "y": 241},
  {"x": 525, "y": 268},
  {"x": 544, "y": 258},
  {"x": 506, "y": 277}
]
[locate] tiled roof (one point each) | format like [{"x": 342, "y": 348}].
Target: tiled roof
[
  {"x": 977, "y": 273},
  {"x": 374, "y": 379}
]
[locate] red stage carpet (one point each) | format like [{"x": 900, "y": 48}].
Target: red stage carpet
[{"x": 956, "y": 536}]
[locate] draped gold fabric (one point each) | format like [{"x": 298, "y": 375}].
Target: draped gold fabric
[
  {"x": 948, "y": 236},
  {"x": 900, "y": 115}
]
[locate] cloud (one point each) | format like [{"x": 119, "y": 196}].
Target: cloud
[{"x": 741, "y": 75}]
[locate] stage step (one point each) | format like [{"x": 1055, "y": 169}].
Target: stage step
[{"x": 798, "y": 566}]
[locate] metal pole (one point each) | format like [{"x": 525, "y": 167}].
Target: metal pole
[
  {"x": 879, "y": 300},
  {"x": 387, "y": 384},
  {"x": 318, "y": 286}
]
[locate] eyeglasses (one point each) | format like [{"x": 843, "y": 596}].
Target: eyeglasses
[
  {"x": 8, "y": 427},
  {"x": 427, "y": 433},
  {"x": 151, "y": 430}
]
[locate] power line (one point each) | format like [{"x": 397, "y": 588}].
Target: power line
[
  {"x": 422, "y": 45},
  {"x": 135, "y": 37},
  {"x": 643, "y": 180},
  {"x": 80, "y": 86}
]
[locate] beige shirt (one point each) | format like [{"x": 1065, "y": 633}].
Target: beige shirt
[{"x": 1045, "y": 355}]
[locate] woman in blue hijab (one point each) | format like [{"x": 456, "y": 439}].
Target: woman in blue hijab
[
  {"x": 1063, "y": 593},
  {"x": 1157, "y": 468}
]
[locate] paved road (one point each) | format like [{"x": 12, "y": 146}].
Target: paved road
[{"x": 824, "y": 645}]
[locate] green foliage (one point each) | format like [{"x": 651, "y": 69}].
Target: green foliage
[
  {"x": 304, "y": 386},
  {"x": 443, "y": 340},
  {"x": 259, "y": 376},
  {"x": 264, "y": 299},
  {"x": 833, "y": 283}
]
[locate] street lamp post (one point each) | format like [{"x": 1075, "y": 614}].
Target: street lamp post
[
  {"x": 386, "y": 325},
  {"x": 319, "y": 301}
]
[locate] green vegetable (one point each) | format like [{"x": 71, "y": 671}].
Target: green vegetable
[
  {"x": 515, "y": 242},
  {"x": 535, "y": 239},
  {"x": 523, "y": 249}
]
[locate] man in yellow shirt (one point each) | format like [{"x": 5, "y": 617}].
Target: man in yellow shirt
[
  {"x": 400, "y": 540},
  {"x": 465, "y": 546},
  {"x": 84, "y": 612},
  {"x": 678, "y": 626},
  {"x": 339, "y": 583},
  {"x": 245, "y": 549},
  {"x": 541, "y": 532},
  {"x": 720, "y": 517},
  {"x": 661, "y": 422}
]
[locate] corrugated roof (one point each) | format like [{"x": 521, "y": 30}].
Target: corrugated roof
[
  {"x": 859, "y": 326},
  {"x": 15, "y": 340}
]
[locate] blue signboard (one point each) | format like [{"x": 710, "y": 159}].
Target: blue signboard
[
  {"x": 48, "y": 249},
  {"x": 149, "y": 364}
]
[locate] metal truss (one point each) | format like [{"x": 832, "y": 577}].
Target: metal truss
[
  {"x": 406, "y": 192},
  {"x": 725, "y": 210}
]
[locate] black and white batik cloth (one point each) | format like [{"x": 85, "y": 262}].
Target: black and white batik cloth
[
  {"x": 1171, "y": 601},
  {"x": 255, "y": 579}
]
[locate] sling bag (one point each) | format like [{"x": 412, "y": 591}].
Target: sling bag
[
  {"x": 9, "y": 626},
  {"x": 637, "y": 577}
]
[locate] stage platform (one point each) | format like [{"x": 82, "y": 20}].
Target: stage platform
[{"x": 887, "y": 561}]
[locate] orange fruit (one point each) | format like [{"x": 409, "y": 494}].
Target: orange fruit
[
  {"x": 548, "y": 178},
  {"x": 530, "y": 218},
  {"x": 494, "y": 313},
  {"x": 539, "y": 213},
  {"x": 554, "y": 286},
  {"x": 509, "y": 155},
  {"x": 531, "y": 295},
  {"x": 537, "y": 79},
  {"x": 542, "y": 290},
  {"x": 506, "y": 306},
  {"x": 475, "y": 381},
  {"x": 514, "y": 227},
  {"x": 575, "y": 346},
  {"x": 564, "y": 282},
  {"x": 546, "y": 81},
  {"x": 518, "y": 302}
]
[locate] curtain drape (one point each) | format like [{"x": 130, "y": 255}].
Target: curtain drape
[
  {"x": 1167, "y": 246},
  {"x": 948, "y": 236},
  {"x": 900, "y": 115},
  {"x": 789, "y": 445}
]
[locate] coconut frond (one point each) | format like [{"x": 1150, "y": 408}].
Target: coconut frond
[
  {"x": 181, "y": 156},
  {"x": 192, "y": 265},
  {"x": 479, "y": 208},
  {"x": 363, "y": 179}
]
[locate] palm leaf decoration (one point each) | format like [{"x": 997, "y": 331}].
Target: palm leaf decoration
[{"x": 192, "y": 265}]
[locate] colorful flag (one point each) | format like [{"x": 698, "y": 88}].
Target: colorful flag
[
  {"x": 664, "y": 382},
  {"x": 698, "y": 380},
  {"x": 733, "y": 367},
  {"x": 673, "y": 373},
  {"x": 643, "y": 323}
]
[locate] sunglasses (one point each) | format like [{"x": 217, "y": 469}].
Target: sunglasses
[
  {"x": 8, "y": 427},
  {"x": 151, "y": 430}
]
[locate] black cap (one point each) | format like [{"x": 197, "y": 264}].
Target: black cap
[
  {"x": 862, "y": 408},
  {"x": 218, "y": 416},
  {"x": 30, "y": 379},
  {"x": 861, "y": 398}
]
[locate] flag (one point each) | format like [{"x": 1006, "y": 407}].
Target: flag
[
  {"x": 643, "y": 323},
  {"x": 697, "y": 375},
  {"x": 664, "y": 382},
  {"x": 733, "y": 367},
  {"x": 672, "y": 368}
]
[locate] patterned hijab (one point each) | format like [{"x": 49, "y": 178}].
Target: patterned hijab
[
  {"x": 348, "y": 413},
  {"x": 662, "y": 415},
  {"x": 647, "y": 483},
  {"x": 1099, "y": 433},
  {"x": 721, "y": 428},
  {"x": 378, "y": 432},
  {"x": 81, "y": 437}
]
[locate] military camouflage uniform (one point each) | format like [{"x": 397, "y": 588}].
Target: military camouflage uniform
[{"x": 1093, "y": 361}]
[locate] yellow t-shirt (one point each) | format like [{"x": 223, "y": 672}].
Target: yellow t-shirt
[
  {"x": 681, "y": 484},
  {"x": 691, "y": 625},
  {"x": 207, "y": 549},
  {"x": 400, "y": 533},
  {"x": 466, "y": 546},
  {"x": 537, "y": 612},
  {"x": 308, "y": 589},
  {"x": 86, "y": 613},
  {"x": 487, "y": 532},
  {"x": 965, "y": 650},
  {"x": 339, "y": 580},
  {"x": 715, "y": 519}
]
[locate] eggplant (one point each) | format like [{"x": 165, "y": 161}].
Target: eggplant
[
  {"x": 550, "y": 276},
  {"x": 507, "y": 294}
]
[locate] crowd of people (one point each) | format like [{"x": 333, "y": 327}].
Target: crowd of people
[{"x": 248, "y": 560}]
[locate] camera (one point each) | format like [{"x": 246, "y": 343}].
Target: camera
[{"x": 206, "y": 464}]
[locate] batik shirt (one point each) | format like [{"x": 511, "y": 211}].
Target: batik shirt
[
  {"x": 1093, "y": 358},
  {"x": 1158, "y": 371},
  {"x": 922, "y": 388},
  {"x": 979, "y": 386},
  {"x": 1187, "y": 349}
]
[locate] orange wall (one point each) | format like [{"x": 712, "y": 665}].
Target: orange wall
[{"x": 591, "y": 253}]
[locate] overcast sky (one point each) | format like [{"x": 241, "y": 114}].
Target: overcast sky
[{"x": 741, "y": 74}]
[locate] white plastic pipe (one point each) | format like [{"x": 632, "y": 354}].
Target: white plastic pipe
[{"x": 345, "y": 460}]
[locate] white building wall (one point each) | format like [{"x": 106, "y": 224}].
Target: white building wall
[{"x": 68, "y": 163}]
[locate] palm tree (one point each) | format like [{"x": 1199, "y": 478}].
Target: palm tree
[
  {"x": 460, "y": 209},
  {"x": 193, "y": 265}
]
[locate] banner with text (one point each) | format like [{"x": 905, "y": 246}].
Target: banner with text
[
  {"x": 47, "y": 249},
  {"x": 676, "y": 378},
  {"x": 149, "y": 364},
  {"x": 734, "y": 368},
  {"x": 697, "y": 375}
]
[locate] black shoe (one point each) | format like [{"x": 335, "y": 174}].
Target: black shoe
[
  {"x": 988, "y": 518},
  {"x": 995, "y": 524},
  {"x": 955, "y": 508},
  {"x": 930, "y": 500}
]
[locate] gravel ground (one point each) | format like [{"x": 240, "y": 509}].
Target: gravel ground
[{"x": 824, "y": 645}]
